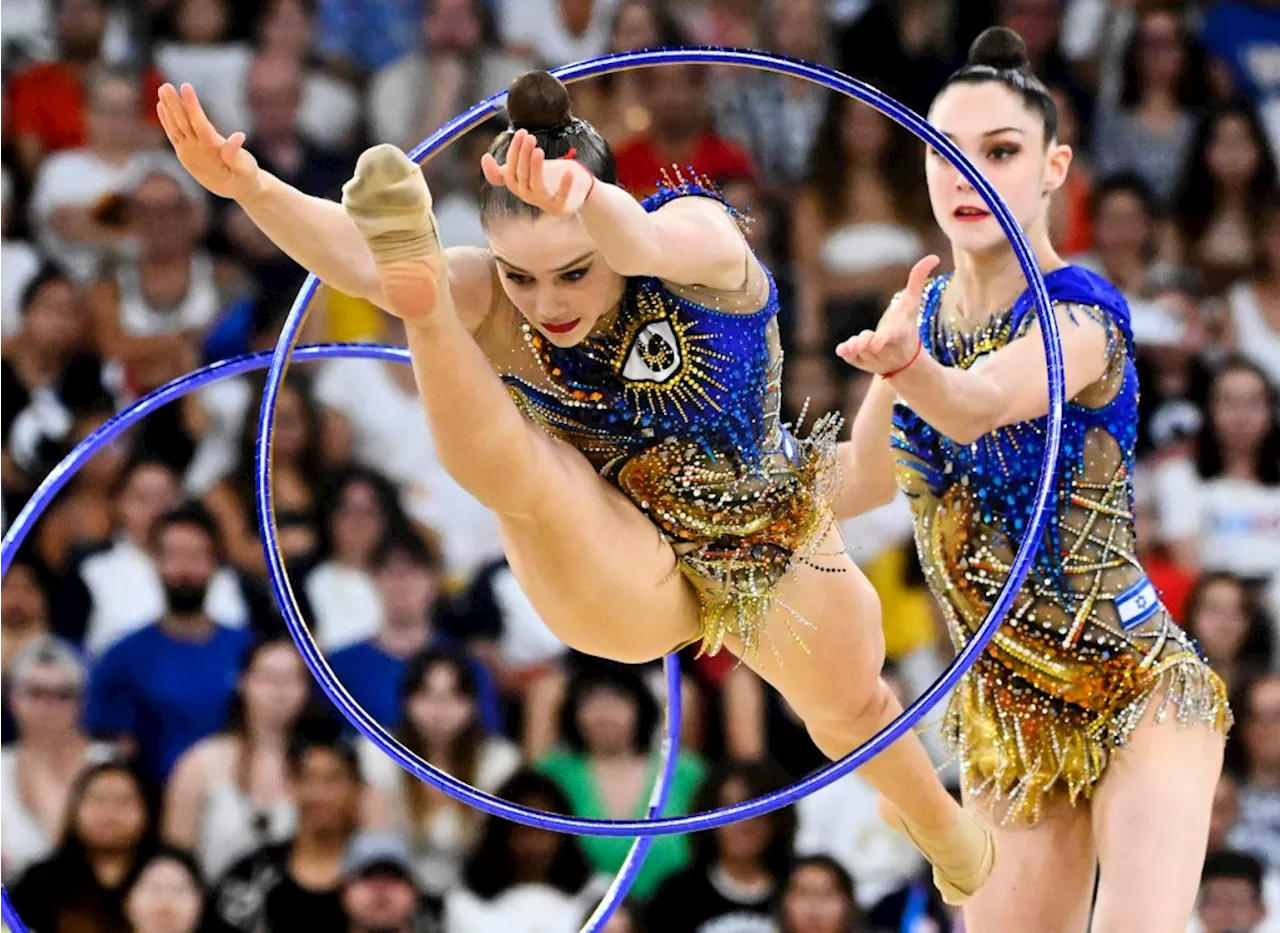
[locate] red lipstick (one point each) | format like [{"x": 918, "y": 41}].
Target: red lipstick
[{"x": 561, "y": 328}]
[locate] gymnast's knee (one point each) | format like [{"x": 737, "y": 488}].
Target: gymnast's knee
[{"x": 849, "y": 717}]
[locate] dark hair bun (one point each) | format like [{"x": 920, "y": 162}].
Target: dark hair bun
[
  {"x": 1000, "y": 48},
  {"x": 538, "y": 101}
]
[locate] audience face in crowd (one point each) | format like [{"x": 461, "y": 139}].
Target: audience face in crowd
[
  {"x": 46, "y": 689},
  {"x": 52, "y": 323},
  {"x": 165, "y": 218},
  {"x": 167, "y": 896},
  {"x": 1261, "y": 731},
  {"x": 358, "y": 522},
  {"x": 1242, "y": 416},
  {"x": 274, "y": 93},
  {"x": 636, "y": 26},
  {"x": 203, "y": 22},
  {"x": 186, "y": 558},
  {"x": 148, "y": 490},
  {"x": 285, "y": 29},
  {"x": 379, "y": 894},
  {"x": 274, "y": 688},
  {"x": 81, "y": 25},
  {"x": 1230, "y": 898},
  {"x": 818, "y": 899},
  {"x": 1222, "y": 619},
  {"x": 111, "y": 118},
  {"x": 108, "y": 813},
  {"x": 440, "y": 708},
  {"x": 24, "y": 607},
  {"x": 409, "y": 587},
  {"x": 327, "y": 788}
]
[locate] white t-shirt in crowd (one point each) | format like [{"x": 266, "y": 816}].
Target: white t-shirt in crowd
[
  {"x": 1235, "y": 523},
  {"x": 537, "y": 24},
  {"x": 346, "y": 606},
  {"x": 1255, "y": 339},
  {"x": 19, "y": 263}
]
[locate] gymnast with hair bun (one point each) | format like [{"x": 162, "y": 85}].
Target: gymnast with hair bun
[
  {"x": 1090, "y": 730},
  {"x": 605, "y": 378}
]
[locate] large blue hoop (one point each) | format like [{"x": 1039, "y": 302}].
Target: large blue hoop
[
  {"x": 695, "y": 822},
  {"x": 645, "y": 830}
]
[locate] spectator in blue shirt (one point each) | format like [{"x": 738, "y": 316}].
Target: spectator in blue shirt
[
  {"x": 357, "y": 37},
  {"x": 408, "y": 575},
  {"x": 165, "y": 687}
]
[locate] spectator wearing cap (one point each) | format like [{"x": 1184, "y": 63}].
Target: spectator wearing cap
[
  {"x": 19, "y": 263},
  {"x": 297, "y": 884},
  {"x": 1230, "y": 899},
  {"x": 408, "y": 578},
  {"x": 167, "y": 686},
  {"x": 48, "y": 100},
  {"x": 49, "y": 384},
  {"x": 379, "y": 894},
  {"x": 45, "y": 685}
]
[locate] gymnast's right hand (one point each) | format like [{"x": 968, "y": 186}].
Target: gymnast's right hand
[{"x": 218, "y": 162}]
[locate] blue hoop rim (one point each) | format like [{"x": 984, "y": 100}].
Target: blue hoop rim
[{"x": 711, "y": 819}]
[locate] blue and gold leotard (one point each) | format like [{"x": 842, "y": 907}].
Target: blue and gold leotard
[
  {"x": 674, "y": 398},
  {"x": 1087, "y": 647}
]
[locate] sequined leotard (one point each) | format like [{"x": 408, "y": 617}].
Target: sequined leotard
[
  {"x": 1087, "y": 646},
  {"x": 675, "y": 399}
]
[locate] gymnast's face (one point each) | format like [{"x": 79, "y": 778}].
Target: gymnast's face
[
  {"x": 1005, "y": 139},
  {"x": 552, "y": 272}
]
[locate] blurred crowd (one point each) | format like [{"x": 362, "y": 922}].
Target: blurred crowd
[{"x": 168, "y": 766}]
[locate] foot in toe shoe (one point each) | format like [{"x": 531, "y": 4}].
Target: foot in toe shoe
[
  {"x": 391, "y": 205},
  {"x": 962, "y": 859}
]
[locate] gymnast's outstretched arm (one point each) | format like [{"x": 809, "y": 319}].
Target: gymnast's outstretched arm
[{"x": 315, "y": 233}]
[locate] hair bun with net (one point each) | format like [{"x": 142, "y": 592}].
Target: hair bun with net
[
  {"x": 1000, "y": 48},
  {"x": 538, "y": 101}
]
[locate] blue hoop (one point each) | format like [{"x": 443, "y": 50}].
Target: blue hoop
[
  {"x": 711, "y": 819},
  {"x": 71, "y": 464},
  {"x": 644, "y": 830}
]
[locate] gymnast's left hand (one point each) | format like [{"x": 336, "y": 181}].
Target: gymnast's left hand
[
  {"x": 893, "y": 345},
  {"x": 554, "y": 186}
]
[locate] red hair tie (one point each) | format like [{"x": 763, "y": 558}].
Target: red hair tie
[{"x": 568, "y": 155}]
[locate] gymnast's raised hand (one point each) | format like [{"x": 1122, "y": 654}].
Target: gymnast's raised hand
[
  {"x": 219, "y": 163},
  {"x": 554, "y": 186},
  {"x": 892, "y": 346}
]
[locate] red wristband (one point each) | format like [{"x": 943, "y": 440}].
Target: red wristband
[
  {"x": 570, "y": 155},
  {"x": 915, "y": 356}
]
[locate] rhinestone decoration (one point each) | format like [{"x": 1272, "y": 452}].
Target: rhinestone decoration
[
  {"x": 676, "y": 402},
  {"x": 1062, "y": 685}
]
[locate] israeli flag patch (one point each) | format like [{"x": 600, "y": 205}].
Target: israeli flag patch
[{"x": 1137, "y": 604}]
